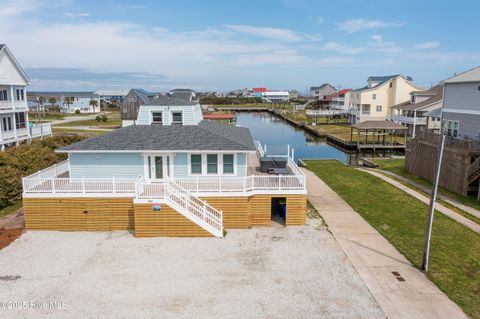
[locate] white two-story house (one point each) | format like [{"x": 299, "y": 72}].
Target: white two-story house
[{"x": 13, "y": 103}]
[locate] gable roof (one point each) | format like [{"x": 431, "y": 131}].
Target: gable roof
[
  {"x": 341, "y": 92},
  {"x": 3, "y": 47},
  {"x": 314, "y": 88},
  {"x": 436, "y": 93},
  {"x": 384, "y": 78},
  {"x": 206, "y": 136},
  {"x": 184, "y": 95},
  {"x": 472, "y": 75},
  {"x": 170, "y": 101}
]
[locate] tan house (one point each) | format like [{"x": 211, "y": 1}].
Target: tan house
[{"x": 375, "y": 101}]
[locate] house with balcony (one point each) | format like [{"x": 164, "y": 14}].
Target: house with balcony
[
  {"x": 375, "y": 101},
  {"x": 460, "y": 115},
  {"x": 319, "y": 92},
  {"x": 14, "y": 124},
  {"x": 173, "y": 173},
  {"x": 413, "y": 113}
]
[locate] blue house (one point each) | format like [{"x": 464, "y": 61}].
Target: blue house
[{"x": 171, "y": 174}]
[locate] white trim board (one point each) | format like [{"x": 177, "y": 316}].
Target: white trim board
[{"x": 461, "y": 111}]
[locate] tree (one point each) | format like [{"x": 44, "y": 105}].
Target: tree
[
  {"x": 52, "y": 100},
  {"x": 41, "y": 101},
  {"x": 67, "y": 100},
  {"x": 93, "y": 103}
]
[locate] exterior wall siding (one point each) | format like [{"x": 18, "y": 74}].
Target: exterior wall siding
[
  {"x": 106, "y": 165},
  {"x": 104, "y": 214},
  {"x": 469, "y": 124},
  {"x": 9, "y": 74},
  {"x": 462, "y": 96},
  {"x": 78, "y": 214},
  {"x": 189, "y": 117}
]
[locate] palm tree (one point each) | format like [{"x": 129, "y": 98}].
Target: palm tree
[
  {"x": 52, "y": 100},
  {"x": 41, "y": 100},
  {"x": 67, "y": 100},
  {"x": 93, "y": 103}
]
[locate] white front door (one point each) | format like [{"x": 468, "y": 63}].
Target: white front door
[{"x": 158, "y": 167}]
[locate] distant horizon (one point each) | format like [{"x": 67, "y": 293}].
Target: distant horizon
[{"x": 84, "y": 45}]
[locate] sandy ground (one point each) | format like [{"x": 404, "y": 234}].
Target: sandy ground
[{"x": 294, "y": 272}]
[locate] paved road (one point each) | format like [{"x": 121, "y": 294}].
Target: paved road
[
  {"x": 439, "y": 207},
  {"x": 375, "y": 259}
]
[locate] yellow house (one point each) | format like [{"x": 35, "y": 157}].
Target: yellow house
[{"x": 376, "y": 100}]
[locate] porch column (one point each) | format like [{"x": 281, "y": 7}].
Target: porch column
[
  {"x": 14, "y": 120},
  {"x": 12, "y": 96},
  {"x": 414, "y": 122}
]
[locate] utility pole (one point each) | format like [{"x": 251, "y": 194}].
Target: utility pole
[{"x": 433, "y": 198}]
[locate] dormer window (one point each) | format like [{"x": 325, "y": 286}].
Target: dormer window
[
  {"x": 157, "y": 118},
  {"x": 177, "y": 117}
]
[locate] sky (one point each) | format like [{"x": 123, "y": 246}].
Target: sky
[{"x": 219, "y": 45}]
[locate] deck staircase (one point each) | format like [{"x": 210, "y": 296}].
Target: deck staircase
[
  {"x": 474, "y": 171},
  {"x": 184, "y": 202}
]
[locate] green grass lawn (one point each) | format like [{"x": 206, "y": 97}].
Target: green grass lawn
[
  {"x": 10, "y": 209},
  {"x": 85, "y": 133},
  {"x": 401, "y": 219},
  {"x": 397, "y": 166},
  {"x": 113, "y": 121}
]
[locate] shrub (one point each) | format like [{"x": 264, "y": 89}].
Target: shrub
[
  {"x": 101, "y": 118},
  {"x": 26, "y": 159},
  {"x": 77, "y": 111}
]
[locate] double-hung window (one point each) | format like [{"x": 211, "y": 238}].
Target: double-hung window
[
  {"x": 379, "y": 108},
  {"x": 157, "y": 118},
  {"x": 7, "y": 124},
  {"x": 20, "y": 120},
  {"x": 3, "y": 95},
  {"x": 452, "y": 128},
  {"x": 177, "y": 117},
  {"x": 196, "y": 164},
  {"x": 20, "y": 95},
  {"x": 212, "y": 164},
  {"x": 228, "y": 165}
]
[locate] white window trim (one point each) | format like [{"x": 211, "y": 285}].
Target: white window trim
[
  {"x": 381, "y": 109},
  {"x": 151, "y": 117},
  {"x": 171, "y": 116},
  {"x": 205, "y": 166}
]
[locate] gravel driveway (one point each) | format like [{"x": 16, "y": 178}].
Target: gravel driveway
[{"x": 294, "y": 272}]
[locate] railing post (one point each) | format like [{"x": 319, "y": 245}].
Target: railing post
[
  {"x": 244, "y": 184},
  {"x": 83, "y": 184},
  {"x": 279, "y": 184},
  {"x": 220, "y": 184},
  {"x": 197, "y": 184},
  {"x": 113, "y": 185},
  {"x": 53, "y": 185}
]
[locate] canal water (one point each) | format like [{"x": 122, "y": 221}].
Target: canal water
[{"x": 276, "y": 134}]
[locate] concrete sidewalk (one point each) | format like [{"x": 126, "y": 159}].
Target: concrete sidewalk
[
  {"x": 376, "y": 260},
  {"x": 439, "y": 207}
]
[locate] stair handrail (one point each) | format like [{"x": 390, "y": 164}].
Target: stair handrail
[
  {"x": 195, "y": 205},
  {"x": 474, "y": 167}
]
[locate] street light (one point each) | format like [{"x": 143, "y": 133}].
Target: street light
[{"x": 433, "y": 198}]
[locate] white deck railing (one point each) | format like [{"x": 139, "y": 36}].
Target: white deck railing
[
  {"x": 41, "y": 130},
  {"x": 65, "y": 185},
  {"x": 326, "y": 112},
  {"x": 409, "y": 119}
]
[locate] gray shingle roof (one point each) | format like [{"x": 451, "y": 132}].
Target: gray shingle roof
[
  {"x": 434, "y": 113},
  {"x": 206, "y": 136},
  {"x": 1, "y": 46},
  {"x": 170, "y": 101},
  {"x": 435, "y": 92},
  {"x": 386, "y": 78}
]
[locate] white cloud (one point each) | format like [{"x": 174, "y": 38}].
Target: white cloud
[
  {"x": 428, "y": 45},
  {"x": 341, "y": 48},
  {"x": 266, "y": 32},
  {"x": 320, "y": 19},
  {"x": 354, "y": 25},
  {"x": 77, "y": 15},
  {"x": 377, "y": 38}
]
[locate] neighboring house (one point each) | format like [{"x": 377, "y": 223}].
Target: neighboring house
[
  {"x": 110, "y": 95},
  {"x": 130, "y": 106},
  {"x": 374, "y": 102},
  {"x": 340, "y": 100},
  {"x": 319, "y": 92},
  {"x": 412, "y": 113},
  {"x": 172, "y": 174},
  {"x": 258, "y": 92},
  {"x": 184, "y": 94},
  {"x": 461, "y": 119},
  {"x": 276, "y": 96},
  {"x": 80, "y": 101},
  {"x": 33, "y": 99},
  {"x": 14, "y": 125},
  {"x": 461, "y": 109}
]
